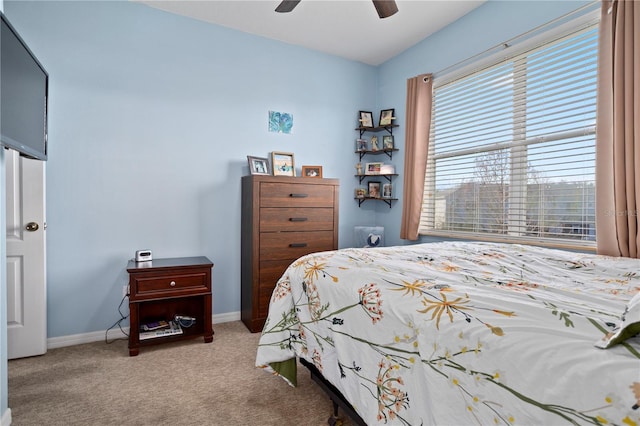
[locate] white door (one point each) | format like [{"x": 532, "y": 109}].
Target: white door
[{"x": 26, "y": 279}]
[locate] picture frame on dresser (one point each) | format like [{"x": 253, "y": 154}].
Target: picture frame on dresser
[
  {"x": 312, "y": 171},
  {"x": 283, "y": 163},
  {"x": 259, "y": 165}
]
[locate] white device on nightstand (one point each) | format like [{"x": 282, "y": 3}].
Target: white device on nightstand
[{"x": 143, "y": 255}]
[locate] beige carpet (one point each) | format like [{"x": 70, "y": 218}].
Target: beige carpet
[{"x": 182, "y": 383}]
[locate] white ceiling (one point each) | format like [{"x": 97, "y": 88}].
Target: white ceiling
[{"x": 347, "y": 28}]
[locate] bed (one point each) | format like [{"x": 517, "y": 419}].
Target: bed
[{"x": 463, "y": 333}]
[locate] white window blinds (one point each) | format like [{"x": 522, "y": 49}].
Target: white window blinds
[{"x": 512, "y": 152}]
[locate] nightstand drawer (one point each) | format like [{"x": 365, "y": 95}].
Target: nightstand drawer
[
  {"x": 168, "y": 285},
  {"x": 274, "y": 219},
  {"x": 296, "y": 195},
  {"x": 291, "y": 245}
]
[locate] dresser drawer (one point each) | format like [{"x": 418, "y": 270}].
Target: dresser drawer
[
  {"x": 295, "y": 195},
  {"x": 270, "y": 273},
  {"x": 149, "y": 287},
  {"x": 291, "y": 245},
  {"x": 274, "y": 219}
]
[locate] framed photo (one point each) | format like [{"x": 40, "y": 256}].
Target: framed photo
[
  {"x": 283, "y": 164},
  {"x": 372, "y": 168},
  {"x": 387, "y": 190},
  {"x": 387, "y": 169},
  {"x": 361, "y": 192},
  {"x": 374, "y": 189},
  {"x": 386, "y": 117},
  {"x": 361, "y": 144},
  {"x": 312, "y": 171},
  {"x": 374, "y": 143},
  {"x": 259, "y": 165},
  {"x": 366, "y": 119},
  {"x": 387, "y": 141}
]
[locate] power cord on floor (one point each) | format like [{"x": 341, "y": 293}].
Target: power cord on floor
[{"x": 118, "y": 323}]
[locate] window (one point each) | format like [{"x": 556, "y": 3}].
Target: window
[{"x": 512, "y": 152}]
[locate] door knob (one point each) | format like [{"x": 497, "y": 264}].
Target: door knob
[{"x": 32, "y": 226}]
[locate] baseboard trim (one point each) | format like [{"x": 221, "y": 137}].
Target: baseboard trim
[
  {"x": 96, "y": 336},
  {"x": 6, "y": 418}
]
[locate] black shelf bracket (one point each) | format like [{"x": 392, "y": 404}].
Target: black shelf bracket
[
  {"x": 388, "y": 151},
  {"x": 386, "y": 200},
  {"x": 387, "y": 177},
  {"x": 388, "y": 129}
]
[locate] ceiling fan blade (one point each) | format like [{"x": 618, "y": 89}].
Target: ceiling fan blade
[
  {"x": 385, "y": 8},
  {"x": 287, "y": 6}
]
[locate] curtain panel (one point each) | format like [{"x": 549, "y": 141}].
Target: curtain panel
[
  {"x": 418, "y": 126},
  {"x": 618, "y": 130}
]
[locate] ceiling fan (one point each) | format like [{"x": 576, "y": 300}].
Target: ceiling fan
[{"x": 385, "y": 8}]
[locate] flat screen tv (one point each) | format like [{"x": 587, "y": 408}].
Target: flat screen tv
[{"x": 24, "y": 86}]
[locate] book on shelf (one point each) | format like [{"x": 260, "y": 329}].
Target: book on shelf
[
  {"x": 172, "y": 329},
  {"x": 155, "y": 325}
]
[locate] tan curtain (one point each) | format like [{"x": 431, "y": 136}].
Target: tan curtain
[
  {"x": 418, "y": 125},
  {"x": 618, "y": 130}
]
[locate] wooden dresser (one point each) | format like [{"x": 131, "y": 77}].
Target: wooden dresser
[{"x": 283, "y": 218}]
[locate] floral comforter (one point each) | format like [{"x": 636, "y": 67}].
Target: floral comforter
[{"x": 461, "y": 333}]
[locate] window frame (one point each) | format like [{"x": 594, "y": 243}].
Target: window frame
[{"x": 509, "y": 53}]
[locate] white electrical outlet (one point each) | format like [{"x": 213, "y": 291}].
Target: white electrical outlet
[{"x": 125, "y": 290}]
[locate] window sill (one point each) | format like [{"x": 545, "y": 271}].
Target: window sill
[{"x": 580, "y": 245}]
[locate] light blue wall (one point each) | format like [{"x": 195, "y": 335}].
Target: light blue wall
[{"x": 152, "y": 116}]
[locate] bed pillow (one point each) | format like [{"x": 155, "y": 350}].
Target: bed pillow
[{"x": 628, "y": 327}]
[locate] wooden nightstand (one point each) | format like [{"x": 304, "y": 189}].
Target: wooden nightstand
[{"x": 163, "y": 288}]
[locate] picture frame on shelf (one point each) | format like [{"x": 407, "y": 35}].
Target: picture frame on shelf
[
  {"x": 312, "y": 171},
  {"x": 283, "y": 163},
  {"x": 387, "y": 190},
  {"x": 387, "y": 169},
  {"x": 366, "y": 119},
  {"x": 374, "y": 143},
  {"x": 387, "y": 142},
  {"x": 360, "y": 192},
  {"x": 386, "y": 117},
  {"x": 361, "y": 144},
  {"x": 372, "y": 168},
  {"x": 374, "y": 189},
  {"x": 258, "y": 165}
]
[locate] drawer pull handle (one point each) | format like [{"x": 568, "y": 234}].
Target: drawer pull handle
[
  {"x": 172, "y": 283},
  {"x": 298, "y": 219},
  {"x": 298, "y": 245},
  {"x": 298, "y": 195}
]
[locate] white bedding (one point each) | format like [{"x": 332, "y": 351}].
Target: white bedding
[{"x": 461, "y": 333}]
